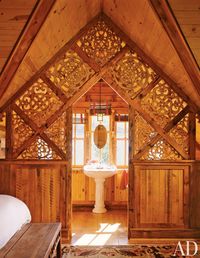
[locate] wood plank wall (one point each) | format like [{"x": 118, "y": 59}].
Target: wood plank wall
[
  {"x": 165, "y": 198},
  {"x": 83, "y": 191},
  {"x": 42, "y": 186}
]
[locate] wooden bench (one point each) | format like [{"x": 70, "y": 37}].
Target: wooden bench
[{"x": 34, "y": 240}]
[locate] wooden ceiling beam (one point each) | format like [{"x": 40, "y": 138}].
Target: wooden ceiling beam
[
  {"x": 34, "y": 24},
  {"x": 168, "y": 21},
  {"x": 133, "y": 46}
]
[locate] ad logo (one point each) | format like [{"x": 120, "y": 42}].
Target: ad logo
[{"x": 187, "y": 248}]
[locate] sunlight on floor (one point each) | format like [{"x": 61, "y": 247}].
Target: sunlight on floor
[{"x": 101, "y": 237}]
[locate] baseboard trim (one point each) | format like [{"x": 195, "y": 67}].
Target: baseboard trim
[
  {"x": 164, "y": 233},
  {"x": 88, "y": 206}
]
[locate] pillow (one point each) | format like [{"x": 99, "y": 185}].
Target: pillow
[{"x": 13, "y": 215}]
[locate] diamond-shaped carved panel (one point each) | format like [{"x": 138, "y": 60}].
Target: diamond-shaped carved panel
[
  {"x": 39, "y": 102},
  {"x": 21, "y": 131},
  {"x": 132, "y": 74},
  {"x": 39, "y": 149},
  {"x": 70, "y": 73},
  {"x": 180, "y": 133},
  {"x": 57, "y": 132},
  {"x": 100, "y": 43},
  {"x": 143, "y": 133},
  {"x": 163, "y": 103},
  {"x": 162, "y": 151}
]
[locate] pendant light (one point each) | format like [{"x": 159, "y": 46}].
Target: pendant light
[{"x": 100, "y": 113}]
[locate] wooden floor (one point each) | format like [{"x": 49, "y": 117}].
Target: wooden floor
[{"x": 98, "y": 229}]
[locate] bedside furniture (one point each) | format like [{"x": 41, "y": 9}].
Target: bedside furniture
[{"x": 34, "y": 240}]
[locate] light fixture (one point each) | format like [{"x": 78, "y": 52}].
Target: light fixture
[
  {"x": 100, "y": 113},
  {"x": 100, "y": 117}
]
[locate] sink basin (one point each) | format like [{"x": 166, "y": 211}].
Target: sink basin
[{"x": 99, "y": 173}]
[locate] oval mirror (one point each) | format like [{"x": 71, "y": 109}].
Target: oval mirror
[{"x": 100, "y": 136}]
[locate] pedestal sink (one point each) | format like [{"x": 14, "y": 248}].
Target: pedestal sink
[{"x": 99, "y": 173}]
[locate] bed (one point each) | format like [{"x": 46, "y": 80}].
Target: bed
[{"x": 14, "y": 214}]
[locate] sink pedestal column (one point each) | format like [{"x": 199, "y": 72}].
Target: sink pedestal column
[{"x": 99, "y": 206}]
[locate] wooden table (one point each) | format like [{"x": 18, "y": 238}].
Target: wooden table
[{"x": 34, "y": 240}]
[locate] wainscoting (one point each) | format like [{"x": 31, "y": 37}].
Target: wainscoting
[
  {"x": 163, "y": 199},
  {"x": 83, "y": 191}
]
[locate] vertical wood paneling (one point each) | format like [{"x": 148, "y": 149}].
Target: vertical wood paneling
[
  {"x": 68, "y": 193},
  {"x": 9, "y": 134},
  {"x": 194, "y": 212},
  {"x": 5, "y": 186},
  {"x": 132, "y": 193},
  {"x": 83, "y": 189},
  {"x": 120, "y": 195},
  {"x": 153, "y": 196},
  {"x": 39, "y": 188},
  {"x": 176, "y": 197},
  {"x": 165, "y": 196},
  {"x": 42, "y": 186}
]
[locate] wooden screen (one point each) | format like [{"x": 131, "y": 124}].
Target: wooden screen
[
  {"x": 161, "y": 123},
  {"x": 100, "y": 51}
]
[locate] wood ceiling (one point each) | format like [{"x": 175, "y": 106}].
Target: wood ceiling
[
  {"x": 108, "y": 96},
  {"x": 13, "y": 18},
  {"x": 187, "y": 14},
  {"x": 66, "y": 18}
]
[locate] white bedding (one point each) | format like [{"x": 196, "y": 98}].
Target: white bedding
[{"x": 13, "y": 215}]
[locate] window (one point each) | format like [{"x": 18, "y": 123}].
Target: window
[
  {"x": 122, "y": 143},
  {"x": 78, "y": 137},
  {"x": 103, "y": 154}
]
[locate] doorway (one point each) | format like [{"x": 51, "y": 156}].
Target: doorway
[{"x": 110, "y": 228}]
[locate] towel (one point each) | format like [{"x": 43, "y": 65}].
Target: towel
[{"x": 124, "y": 180}]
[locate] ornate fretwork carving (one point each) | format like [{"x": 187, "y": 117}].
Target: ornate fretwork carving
[
  {"x": 161, "y": 151},
  {"x": 39, "y": 149},
  {"x": 143, "y": 133},
  {"x": 57, "y": 132},
  {"x": 39, "y": 102},
  {"x": 180, "y": 133},
  {"x": 70, "y": 73},
  {"x": 132, "y": 74},
  {"x": 100, "y": 43},
  {"x": 163, "y": 103},
  {"x": 21, "y": 131}
]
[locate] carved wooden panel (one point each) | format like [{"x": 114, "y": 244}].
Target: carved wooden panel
[
  {"x": 160, "y": 151},
  {"x": 143, "y": 133},
  {"x": 100, "y": 42},
  {"x": 132, "y": 74},
  {"x": 163, "y": 103},
  {"x": 180, "y": 133},
  {"x": 57, "y": 132},
  {"x": 39, "y": 102},
  {"x": 70, "y": 73},
  {"x": 21, "y": 131},
  {"x": 39, "y": 149}
]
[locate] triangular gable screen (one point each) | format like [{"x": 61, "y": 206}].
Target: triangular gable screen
[{"x": 39, "y": 123}]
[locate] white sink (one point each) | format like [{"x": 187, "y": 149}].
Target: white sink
[{"x": 99, "y": 173}]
